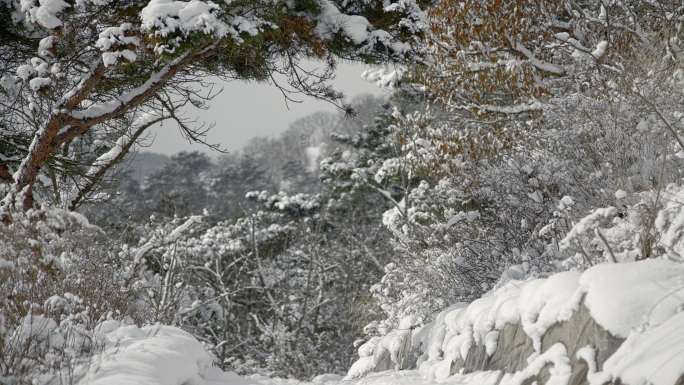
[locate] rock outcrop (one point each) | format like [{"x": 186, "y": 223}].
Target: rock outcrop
[
  {"x": 613, "y": 324},
  {"x": 514, "y": 347}
]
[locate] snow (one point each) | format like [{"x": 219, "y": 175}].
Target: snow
[
  {"x": 106, "y": 158},
  {"x": 327, "y": 378},
  {"x": 56, "y": 70},
  {"x": 600, "y": 50},
  {"x": 620, "y": 194},
  {"x": 491, "y": 342},
  {"x": 331, "y": 21},
  {"x": 313, "y": 154},
  {"x": 198, "y": 16},
  {"x": 542, "y": 65},
  {"x": 35, "y": 327},
  {"x": 413, "y": 377},
  {"x": 112, "y": 38},
  {"x": 537, "y": 304},
  {"x": 513, "y": 109},
  {"x": 384, "y": 76},
  {"x": 669, "y": 223},
  {"x": 597, "y": 218},
  {"x": 652, "y": 357},
  {"x": 111, "y": 58},
  {"x": 566, "y": 201},
  {"x": 25, "y": 71},
  {"x": 358, "y": 30},
  {"x": 119, "y": 146},
  {"x": 626, "y": 296},
  {"x": 166, "y": 355},
  {"x": 39, "y": 65},
  {"x": 165, "y": 17},
  {"x": 544, "y": 303},
  {"x": 376, "y": 351},
  {"x": 37, "y": 84},
  {"x": 390, "y": 167},
  {"x": 151, "y": 355},
  {"x": 45, "y": 14},
  {"x": 45, "y": 45},
  {"x": 603, "y": 14},
  {"x": 588, "y": 355},
  {"x": 172, "y": 237}
]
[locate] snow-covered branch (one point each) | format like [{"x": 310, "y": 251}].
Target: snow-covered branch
[
  {"x": 537, "y": 63},
  {"x": 114, "y": 156}
]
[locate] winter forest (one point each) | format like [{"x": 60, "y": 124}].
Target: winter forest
[{"x": 508, "y": 211}]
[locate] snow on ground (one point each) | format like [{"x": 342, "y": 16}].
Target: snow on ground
[
  {"x": 627, "y": 296},
  {"x": 413, "y": 377},
  {"x": 162, "y": 355},
  {"x": 639, "y": 301},
  {"x": 150, "y": 355}
]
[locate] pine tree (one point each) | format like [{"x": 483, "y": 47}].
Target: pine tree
[{"x": 106, "y": 71}]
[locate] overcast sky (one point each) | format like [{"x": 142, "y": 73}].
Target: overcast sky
[{"x": 245, "y": 110}]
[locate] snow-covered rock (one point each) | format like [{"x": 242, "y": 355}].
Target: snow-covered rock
[
  {"x": 655, "y": 356},
  {"x": 524, "y": 327}
]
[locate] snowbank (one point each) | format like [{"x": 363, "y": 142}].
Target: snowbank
[
  {"x": 655, "y": 356},
  {"x": 637, "y": 301},
  {"x": 627, "y": 296},
  {"x": 153, "y": 355}
]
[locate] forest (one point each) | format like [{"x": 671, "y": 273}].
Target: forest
[{"x": 523, "y": 169}]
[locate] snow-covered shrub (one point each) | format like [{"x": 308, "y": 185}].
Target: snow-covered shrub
[
  {"x": 158, "y": 268},
  {"x": 496, "y": 176},
  {"x": 59, "y": 276},
  {"x": 645, "y": 225},
  {"x": 273, "y": 292},
  {"x": 669, "y": 222},
  {"x": 460, "y": 213}
]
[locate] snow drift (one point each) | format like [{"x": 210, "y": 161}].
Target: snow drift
[{"x": 150, "y": 355}]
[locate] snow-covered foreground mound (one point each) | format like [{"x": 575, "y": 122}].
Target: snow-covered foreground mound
[
  {"x": 617, "y": 323},
  {"x": 151, "y": 355}
]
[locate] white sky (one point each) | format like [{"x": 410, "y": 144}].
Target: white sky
[{"x": 246, "y": 110}]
